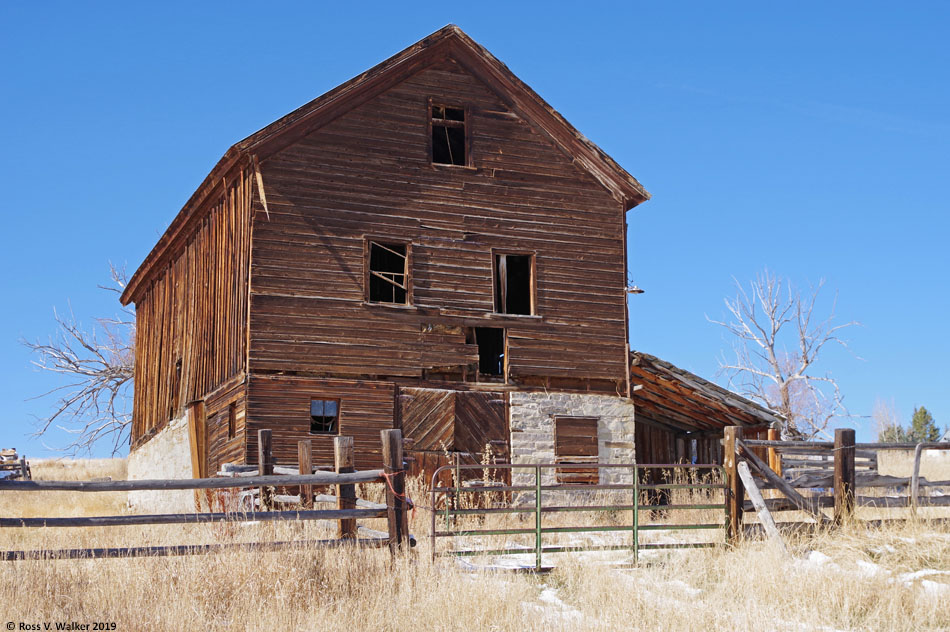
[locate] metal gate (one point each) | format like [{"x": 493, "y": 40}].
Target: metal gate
[{"x": 461, "y": 508}]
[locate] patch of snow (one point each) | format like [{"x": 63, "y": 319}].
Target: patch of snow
[
  {"x": 881, "y": 550},
  {"x": 935, "y": 588},
  {"x": 908, "y": 578},
  {"x": 555, "y": 610},
  {"x": 870, "y": 569}
]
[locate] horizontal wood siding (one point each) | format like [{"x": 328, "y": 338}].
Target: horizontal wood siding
[
  {"x": 283, "y": 404},
  {"x": 368, "y": 173},
  {"x": 221, "y": 449},
  {"x": 191, "y": 334}
]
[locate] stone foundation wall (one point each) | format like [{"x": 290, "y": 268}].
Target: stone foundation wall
[
  {"x": 166, "y": 455},
  {"x": 532, "y": 434}
]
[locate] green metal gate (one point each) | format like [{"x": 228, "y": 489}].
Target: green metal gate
[{"x": 457, "y": 507}]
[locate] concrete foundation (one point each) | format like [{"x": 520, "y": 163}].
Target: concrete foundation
[{"x": 166, "y": 455}]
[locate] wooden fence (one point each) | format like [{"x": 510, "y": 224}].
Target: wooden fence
[
  {"x": 349, "y": 508},
  {"x": 842, "y": 466}
]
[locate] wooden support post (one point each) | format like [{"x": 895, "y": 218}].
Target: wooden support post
[
  {"x": 305, "y": 467},
  {"x": 24, "y": 470},
  {"x": 844, "y": 474},
  {"x": 395, "y": 489},
  {"x": 346, "y": 494},
  {"x": 765, "y": 517},
  {"x": 681, "y": 450},
  {"x": 775, "y": 458},
  {"x": 735, "y": 492},
  {"x": 265, "y": 464}
]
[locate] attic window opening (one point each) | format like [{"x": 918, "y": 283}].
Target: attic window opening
[
  {"x": 324, "y": 416},
  {"x": 514, "y": 284},
  {"x": 448, "y": 135},
  {"x": 388, "y": 273},
  {"x": 491, "y": 350}
]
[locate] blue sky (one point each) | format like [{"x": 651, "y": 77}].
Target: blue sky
[{"x": 813, "y": 139}]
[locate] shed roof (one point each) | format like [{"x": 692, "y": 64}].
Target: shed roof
[
  {"x": 680, "y": 401},
  {"x": 449, "y": 41}
]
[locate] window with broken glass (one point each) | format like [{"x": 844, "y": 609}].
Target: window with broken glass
[
  {"x": 324, "y": 416},
  {"x": 449, "y": 145},
  {"x": 514, "y": 284},
  {"x": 388, "y": 268}
]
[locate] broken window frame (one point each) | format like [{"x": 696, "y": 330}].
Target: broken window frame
[
  {"x": 386, "y": 244},
  {"x": 500, "y": 282},
  {"x": 335, "y": 426},
  {"x": 576, "y": 459},
  {"x": 464, "y": 124}
]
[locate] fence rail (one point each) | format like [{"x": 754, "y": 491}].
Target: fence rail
[
  {"x": 449, "y": 499},
  {"x": 350, "y": 509}
]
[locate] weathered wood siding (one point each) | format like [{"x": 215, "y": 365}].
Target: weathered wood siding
[
  {"x": 191, "y": 334},
  {"x": 282, "y": 404},
  {"x": 221, "y": 448},
  {"x": 368, "y": 173}
]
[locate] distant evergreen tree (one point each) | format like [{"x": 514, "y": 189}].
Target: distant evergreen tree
[
  {"x": 922, "y": 426},
  {"x": 893, "y": 434}
]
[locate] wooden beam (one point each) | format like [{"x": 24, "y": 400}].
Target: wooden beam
[
  {"x": 734, "y": 492},
  {"x": 808, "y": 505},
  {"x": 317, "y": 478},
  {"x": 346, "y": 494},
  {"x": 844, "y": 474},
  {"x": 265, "y": 463},
  {"x": 395, "y": 475},
  {"x": 305, "y": 466},
  {"x": 759, "y": 503}
]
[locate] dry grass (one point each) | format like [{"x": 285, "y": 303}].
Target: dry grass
[{"x": 852, "y": 579}]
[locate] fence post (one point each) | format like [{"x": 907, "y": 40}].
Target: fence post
[
  {"x": 735, "y": 492},
  {"x": 24, "y": 469},
  {"x": 395, "y": 475},
  {"x": 305, "y": 467},
  {"x": 265, "y": 464},
  {"x": 346, "y": 494},
  {"x": 844, "y": 474},
  {"x": 775, "y": 458}
]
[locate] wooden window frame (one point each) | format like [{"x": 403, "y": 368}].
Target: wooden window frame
[
  {"x": 339, "y": 416},
  {"x": 466, "y": 126},
  {"x": 496, "y": 300},
  {"x": 571, "y": 476},
  {"x": 367, "y": 273}
]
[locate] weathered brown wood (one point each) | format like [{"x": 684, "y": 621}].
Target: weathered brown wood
[
  {"x": 808, "y": 505},
  {"x": 317, "y": 478},
  {"x": 844, "y": 474},
  {"x": 346, "y": 494},
  {"x": 742, "y": 468},
  {"x": 395, "y": 489},
  {"x": 265, "y": 464},
  {"x": 305, "y": 466},
  {"x": 735, "y": 494},
  {"x": 194, "y": 518},
  {"x": 775, "y": 459}
]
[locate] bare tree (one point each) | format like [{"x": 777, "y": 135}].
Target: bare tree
[
  {"x": 778, "y": 340},
  {"x": 97, "y": 366}
]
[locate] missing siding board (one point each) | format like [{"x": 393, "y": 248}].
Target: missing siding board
[
  {"x": 514, "y": 283},
  {"x": 448, "y": 135},
  {"x": 324, "y": 416},
  {"x": 491, "y": 350},
  {"x": 575, "y": 442},
  {"x": 388, "y": 273}
]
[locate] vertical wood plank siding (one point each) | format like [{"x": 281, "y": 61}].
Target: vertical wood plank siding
[
  {"x": 283, "y": 404},
  {"x": 221, "y": 449},
  {"x": 368, "y": 173},
  {"x": 194, "y": 312}
]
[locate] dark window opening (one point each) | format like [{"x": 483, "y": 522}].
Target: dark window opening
[
  {"x": 388, "y": 273},
  {"x": 324, "y": 416},
  {"x": 491, "y": 350},
  {"x": 448, "y": 135},
  {"x": 575, "y": 443},
  {"x": 232, "y": 420},
  {"x": 513, "y": 286}
]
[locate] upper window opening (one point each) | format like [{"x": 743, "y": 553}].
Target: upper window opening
[
  {"x": 388, "y": 273},
  {"x": 514, "y": 287},
  {"x": 448, "y": 135},
  {"x": 491, "y": 350},
  {"x": 324, "y": 416}
]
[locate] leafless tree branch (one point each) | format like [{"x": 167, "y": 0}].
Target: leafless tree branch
[
  {"x": 767, "y": 321},
  {"x": 97, "y": 365}
]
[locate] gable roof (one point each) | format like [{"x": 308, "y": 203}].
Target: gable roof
[
  {"x": 682, "y": 401},
  {"x": 450, "y": 41}
]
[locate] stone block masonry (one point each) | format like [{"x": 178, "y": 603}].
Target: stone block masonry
[
  {"x": 532, "y": 434},
  {"x": 166, "y": 455}
]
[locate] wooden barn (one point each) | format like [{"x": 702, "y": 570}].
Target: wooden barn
[
  {"x": 681, "y": 416},
  {"x": 429, "y": 246}
]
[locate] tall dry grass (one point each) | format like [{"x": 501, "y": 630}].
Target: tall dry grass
[{"x": 852, "y": 579}]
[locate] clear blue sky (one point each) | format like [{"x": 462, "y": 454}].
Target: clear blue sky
[{"x": 812, "y": 138}]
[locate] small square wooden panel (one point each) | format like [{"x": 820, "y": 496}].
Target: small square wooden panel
[{"x": 575, "y": 441}]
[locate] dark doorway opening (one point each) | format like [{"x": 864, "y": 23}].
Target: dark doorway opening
[{"x": 491, "y": 350}]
